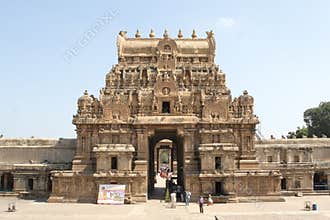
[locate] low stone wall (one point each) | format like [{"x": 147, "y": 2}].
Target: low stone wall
[
  {"x": 300, "y": 161},
  {"x": 78, "y": 187},
  {"x": 35, "y": 150},
  {"x": 236, "y": 185},
  {"x": 25, "y": 163},
  {"x": 318, "y": 147},
  {"x": 315, "y": 142}
]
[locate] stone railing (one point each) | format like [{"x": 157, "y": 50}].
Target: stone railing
[
  {"x": 297, "y": 141},
  {"x": 36, "y": 142}
]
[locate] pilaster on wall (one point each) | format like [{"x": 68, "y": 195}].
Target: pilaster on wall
[
  {"x": 190, "y": 160},
  {"x": 142, "y": 144},
  {"x": 19, "y": 183},
  {"x": 248, "y": 157},
  {"x": 86, "y": 139}
]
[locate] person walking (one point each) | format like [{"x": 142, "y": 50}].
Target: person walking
[
  {"x": 201, "y": 203},
  {"x": 173, "y": 200},
  {"x": 188, "y": 195},
  {"x": 209, "y": 200}
]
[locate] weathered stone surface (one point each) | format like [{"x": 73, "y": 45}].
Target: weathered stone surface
[
  {"x": 165, "y": 95},
  {"x": 167, "y": 89},
  {"x": 25, "y": 164},
  {"x": 304, "y": 163}
]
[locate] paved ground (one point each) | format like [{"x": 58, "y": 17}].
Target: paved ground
[
  {"x": 292, "y": 209},
  {"x": 154, "y": 209}
]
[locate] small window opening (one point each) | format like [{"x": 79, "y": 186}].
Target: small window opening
[
  {"x": 217, "y": 163},
  {"x": 166, "y": 107},
  {"x": 114, "y": 163}
]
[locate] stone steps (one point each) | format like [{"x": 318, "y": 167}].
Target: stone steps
[
  {"x": 8, "y": 194},
  {"x": 317, "y": 193}
]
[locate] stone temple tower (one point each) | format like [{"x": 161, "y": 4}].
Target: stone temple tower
[{"x": 165, "y": 90}]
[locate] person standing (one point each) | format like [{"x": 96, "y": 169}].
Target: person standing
[
  {"x": 188, "y": 195},
  {"x": 201, "y": 203},
  {"x": 173, "y": 200},
  {"x": 209, "y": 200}
]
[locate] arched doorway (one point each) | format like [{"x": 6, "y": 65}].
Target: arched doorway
[
  {"x": 175, "y": 162},
  {"x": 7, "y": 182},
  {"x": 320, "y": 181},
  {"x": 165, "y": 156}
]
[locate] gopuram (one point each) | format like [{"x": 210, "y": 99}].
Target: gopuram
[{"x": 166, "y": 94}]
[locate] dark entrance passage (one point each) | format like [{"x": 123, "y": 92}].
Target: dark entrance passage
[
  {"x": 167, "y": 159},
  {"x": 49, "y": 183},
  {"x": 283, "y": 184},
  {"x": 7, "y": 182},
  {"x": 320, "y": 181}
]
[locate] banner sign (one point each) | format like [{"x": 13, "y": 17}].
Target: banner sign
[{"x": 112, "y": 194}]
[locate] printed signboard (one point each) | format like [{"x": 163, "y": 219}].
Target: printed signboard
[{"x": 112, "y": 194}]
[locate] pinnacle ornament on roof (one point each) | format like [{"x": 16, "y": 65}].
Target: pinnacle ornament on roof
[
  {"x": 152, "y": 33},
  {"x": 137, "y": 35},
  {"x": 194, "y": 35},
  {"x": 165, "y": 35},
  {"x": 180, "y": 35},
  {"x": 209, "y": 34},
  {"x": 123, "y": 33}
]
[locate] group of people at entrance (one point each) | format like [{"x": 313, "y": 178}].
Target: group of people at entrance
[
  {"x": 200, "y": 201},
  {"x": 174, "y": 192},
  {"x": 186, "y": 199}
]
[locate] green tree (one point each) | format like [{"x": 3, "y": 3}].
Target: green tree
[
  {"x": 299, "y": 133},
  {"x": 302, "y": 132},
  {"x": 318, "y": 120}
]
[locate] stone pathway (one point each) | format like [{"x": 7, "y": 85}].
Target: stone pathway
[{"x": 154, "y": 209}]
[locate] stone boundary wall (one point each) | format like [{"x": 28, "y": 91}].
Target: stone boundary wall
[
  {"x": 320, "y": 147},
  {"x": 314, "y": 142},
  {"x": 36, "y": 150}
]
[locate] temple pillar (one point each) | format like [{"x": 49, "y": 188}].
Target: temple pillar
[
  {"x": 142, "y": 144},
  {"x": 190, "y": 162}
]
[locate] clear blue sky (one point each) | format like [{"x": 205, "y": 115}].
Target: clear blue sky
[{"x": 278, "y": 50}]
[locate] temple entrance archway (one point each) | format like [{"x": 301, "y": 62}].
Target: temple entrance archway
[{"x": 161, "y": 143}]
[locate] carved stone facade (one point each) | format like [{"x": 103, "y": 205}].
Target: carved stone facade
[
  {"x": 303, "y": 163},
  {"x": 165, "y": 88},
  {"x": 26, "y": 166},
  {"x": 166, "y": 93}
]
